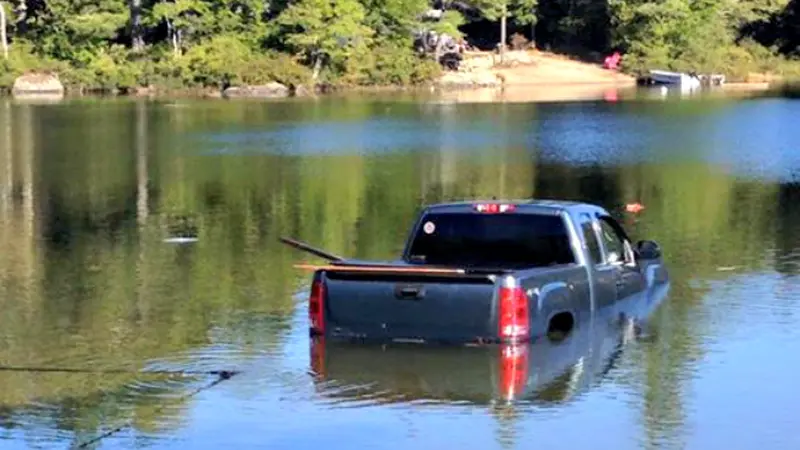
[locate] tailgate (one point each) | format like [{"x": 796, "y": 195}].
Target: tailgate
[{"x": 410, "y": 306}]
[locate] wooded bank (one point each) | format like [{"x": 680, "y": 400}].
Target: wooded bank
[{"x": 125, "y": 44}]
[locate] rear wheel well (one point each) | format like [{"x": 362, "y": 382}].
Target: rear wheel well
[{"x": 560, "y": 325}]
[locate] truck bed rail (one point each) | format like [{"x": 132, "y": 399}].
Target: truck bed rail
[{"x": 376, "y": 269}]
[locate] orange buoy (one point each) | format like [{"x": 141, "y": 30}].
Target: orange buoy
[{"x": 634, "y": 207}]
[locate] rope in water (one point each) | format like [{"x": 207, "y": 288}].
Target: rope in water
[{"x": 222, "y": 375}]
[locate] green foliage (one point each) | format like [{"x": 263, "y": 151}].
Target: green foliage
[
  {"x": 216, "y": 61},
  {"x": 226, "y": 60},
  {"x": 393, "y": 63},
  {"x": 22, "y": 59},
  {"x": 521, "y": 11},
  {"x": 274, "y": 66},
  {"x": 75, "y": 31},
  {"x": 326, "y": 32},
  {"x": 490, "y": 9},
  {"x": 698, "y": 35},
  {"x": 395, "y": 18},
  {"x": 449, "y": 23},
  {"x": 524, "y": 12}
]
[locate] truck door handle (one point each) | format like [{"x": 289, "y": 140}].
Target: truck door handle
[{"x": 409, "y": 292}]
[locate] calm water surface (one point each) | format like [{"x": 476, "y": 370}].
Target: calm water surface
[{"x": 90, "y": 190}]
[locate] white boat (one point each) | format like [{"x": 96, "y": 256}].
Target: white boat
[{"x": 677, "y": 78}]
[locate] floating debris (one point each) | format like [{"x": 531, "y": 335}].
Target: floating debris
[
  {"x": 726, "y": 268},
  {"x": 181, "y": 229},
  {"x": 180, "y": 240}
]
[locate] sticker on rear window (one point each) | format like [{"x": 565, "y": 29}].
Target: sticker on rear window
[{"x": 429, "y": 228}]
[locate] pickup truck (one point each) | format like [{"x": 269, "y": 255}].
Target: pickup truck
[{"x": 484, "y": 272}]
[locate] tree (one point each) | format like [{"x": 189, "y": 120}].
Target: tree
[
  {"x": 524, "y": 13},
  {"x": 790, "y": 28},
  {"x": 325, "y": 31},
  {"x": 74, "y": 31},
  {"x": 395, "y": 18},
  {"x": 521, "y": 11},
  {"x": 3, "y": 37},
  {"x": 494, "y": 10},
  {"x": 182, "y": 17},
  {"x": 137, "y": 38},
  {"x": 741, "y": 13},
  {"x": 449, "y": 23}
]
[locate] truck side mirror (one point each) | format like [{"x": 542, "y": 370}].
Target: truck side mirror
[{"x": 648, "y": 250}]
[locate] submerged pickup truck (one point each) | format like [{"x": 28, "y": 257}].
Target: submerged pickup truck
[{"x": 484, "y": 272}]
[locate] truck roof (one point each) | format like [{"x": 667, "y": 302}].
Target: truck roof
[{"x": 555, "y": 206}]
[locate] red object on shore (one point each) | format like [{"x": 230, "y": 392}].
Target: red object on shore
[
  {"x": 612, "y": 62},
  {"x": 634, "y": 207}
]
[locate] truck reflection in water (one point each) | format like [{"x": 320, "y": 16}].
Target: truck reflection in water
[{"x": 544, "y": 372}]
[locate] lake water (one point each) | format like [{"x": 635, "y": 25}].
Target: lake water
[{"x": 93, "y": 292}]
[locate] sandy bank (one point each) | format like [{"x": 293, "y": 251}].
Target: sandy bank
[
  {"x": 529, "y": 68},
  {"x": 532, "y": 93}
]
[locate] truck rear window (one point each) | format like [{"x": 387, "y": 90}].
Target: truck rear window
[{"x": 492, "y": 240}]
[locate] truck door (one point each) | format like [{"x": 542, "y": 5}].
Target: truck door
[
  {"x": 604, "y": 276},
  {"x": 618, "y": 254}
]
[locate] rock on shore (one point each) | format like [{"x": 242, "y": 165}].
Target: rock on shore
[
  {"x": 37, "y": 84},
  {"x": 469, "y": 80},
  {"x": 269, "y": 90}
]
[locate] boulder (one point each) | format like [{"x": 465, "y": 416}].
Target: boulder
[
  {"x": 269, "y": 90},
  {"x": 302, "y": 90},
  {"x": 38, "y": 83},
  {"x": 142, "y": 91}
]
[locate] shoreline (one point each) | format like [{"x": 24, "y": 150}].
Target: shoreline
[
  {"x": 517, "y": 76},
  {"x": 534, "y": 91}
]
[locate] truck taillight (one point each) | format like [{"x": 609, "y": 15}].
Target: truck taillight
[
  {"x": 514, "y": 315},
  {"x": 316, "y": 307},
  {"x": 494, "y": 208},
  {"x": 317, "y": 356},
  {"x": 513, "y": 370}
]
